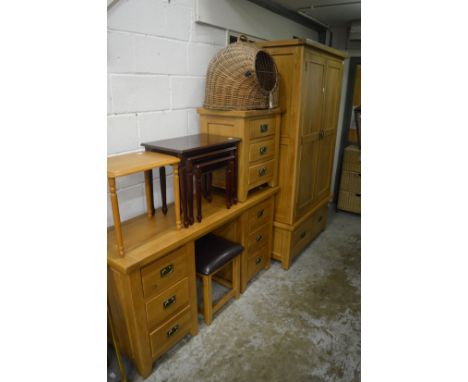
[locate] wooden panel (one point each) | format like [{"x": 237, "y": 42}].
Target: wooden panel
[
  {"x": 306, "y": 196},
  {"x": 283, "y": 200},
  {"x": 349, "y": 201},
  {"x": 257, "y": 261},
  {"x": 326, "y": 153},
  {"x": 168, "y": 334},
  {"x": 262, "y": 127},
  {"x": 286, "y": 60},
  {"x": 313, "y": 94},
  {"x": 161, "y": 307},
  {"x": 351, "y": 181},
  {"x": 261, "y": 173},
  {"x": 164, "y": 272},
  {"x": 259, "y": 238},
  {"x": 260, "y": 215},
  {"x": 332, "y": 95},
  {"x": 261, "y": 150}
]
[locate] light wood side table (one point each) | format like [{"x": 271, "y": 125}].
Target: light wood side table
[{"x": 127, "y": 164}]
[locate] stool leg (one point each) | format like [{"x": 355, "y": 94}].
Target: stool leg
[
  {"x": 162, "y": 179},
  {"x": 116, "y": 215},
  {"x": 183, "y": 193},
  {"x": 175, "y": 171},
  {"x": 236, "y": 276},
  {"x": 198, "y": 193},
  {"x": 207, "y": 300}
]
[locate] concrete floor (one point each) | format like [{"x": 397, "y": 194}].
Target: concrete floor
[{"x": 298, "y": 325}]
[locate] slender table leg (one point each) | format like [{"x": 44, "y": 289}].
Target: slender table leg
[
  {"x": 190, "y": 193},
  {"x": 175, "y": 171},
  {"x": 228, "y": 183},
  {"x": 198, "y": 193},
  {"x": 162, "y": 179},
  {"x": 149, "y": 193},
  {"x": 116, "y": 215},
  {"x": 209, "y": 181},
  {"x": 183, "y": 193},
  {"x": 234, "y": 188}
]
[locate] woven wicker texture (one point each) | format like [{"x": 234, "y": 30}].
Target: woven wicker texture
[{"x": 241, "y": 77}]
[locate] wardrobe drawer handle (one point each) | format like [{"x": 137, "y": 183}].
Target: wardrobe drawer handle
[
  {"x": 258, "y": 260},
  {"x": 167, "y": 270},
  {"x": 263, "y": 127},
  {"x": 263, "y": 150},
  {"x": 358, "y": 195},
  {"x": 169, "y": 302},
  {"x": 259, "y": 237},
  {"x": 319, "y": 219},
  {"x": 262, "y": 171},
  {"x": 260, "y": 213},
  {"x": 303, "y": 235},
  {"x": 172, "y": 331}
]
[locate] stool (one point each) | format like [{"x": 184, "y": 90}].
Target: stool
[{"x": 211, "y": 254}]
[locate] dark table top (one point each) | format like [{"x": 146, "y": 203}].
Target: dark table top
[{"x": 191, "y": 144}]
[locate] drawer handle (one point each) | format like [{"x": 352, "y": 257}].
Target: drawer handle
[
  {"x": 167, "y": 270},
  {"x": 322, "y": 134},
  {"x": 172, "y": 331},
  {"x": 263, "y": 127},
  {"x": 262, "y": 171},
  {"x": 263, "y": 150},
  {"x": 258, "y": 260},
  {"x": 260, "y": 213},
  {"x": 303, "y": 235},
  {"x": 259, "y": 237},
  {"x": 319, "y": 219},
  {"x": 358, "y": 195},
  {"x": 169, "y": 302}
]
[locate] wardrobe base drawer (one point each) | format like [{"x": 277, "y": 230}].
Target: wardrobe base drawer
[{"x": 288, "y": 241}]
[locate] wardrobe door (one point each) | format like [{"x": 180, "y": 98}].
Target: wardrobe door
[
  {"x": 327, "y": 133},
  {"x": 310, "y": 125}
]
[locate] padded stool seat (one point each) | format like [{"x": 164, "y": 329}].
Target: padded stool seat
[{"x": 212, "y": 253}]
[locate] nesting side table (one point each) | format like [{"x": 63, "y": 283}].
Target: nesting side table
[
  {"x": 127, "y": 164},
  {"x": 185, "y": 148}
]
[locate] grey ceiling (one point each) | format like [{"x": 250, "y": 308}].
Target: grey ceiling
[{"x": 330, "y": 12}]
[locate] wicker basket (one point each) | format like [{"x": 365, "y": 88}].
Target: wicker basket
[{"x": 241, "y": 77}]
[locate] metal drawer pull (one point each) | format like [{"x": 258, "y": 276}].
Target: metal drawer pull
[
  {"x": 322, "y": 134},
  {"x": 263, "y": 150},
  {"x": 262, "y": 171},
  {"x": 260, "y": 213},
  {"x": 258, "y": 260},
  {"x": 320, "y": 219},
  {"x": 303, "y": 235},
  {"x": 259, "y": 237},
  {"x": 263, "y": 127},
  {"x": 172, "y": 331},
  {"x": 358, "y": 195},
  {"x": 167, "y": 270},
  {"x": 169, "y": 302}
]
